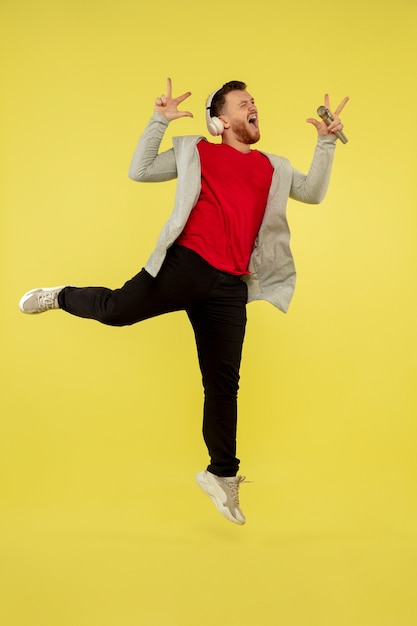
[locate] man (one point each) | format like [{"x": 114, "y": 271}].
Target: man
[{"x": 225, "y": 243}]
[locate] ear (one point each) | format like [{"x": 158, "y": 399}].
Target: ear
[{"x": 225, "y": 121}]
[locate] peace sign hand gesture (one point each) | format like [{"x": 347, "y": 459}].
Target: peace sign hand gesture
[
  {"x": 168, "y": 106},
  {"x": 321, "y": 126}
]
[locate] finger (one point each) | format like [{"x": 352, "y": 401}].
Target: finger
[
  {"x": 335, "y": 125},
  {"x": 169, "y": 88},
  {"x": 327, "y": 101},
  {"x": 341, "y": 105},
  {"x": 161, "y": 101},
  {"x": 184, "y": 96}
]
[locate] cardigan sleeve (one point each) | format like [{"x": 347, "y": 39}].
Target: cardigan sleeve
[
  {"x": 148, "y": 165},
  {"x": 312, "y": 188}
]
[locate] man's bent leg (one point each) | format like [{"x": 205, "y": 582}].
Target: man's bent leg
[
  {"x": 177, "y": 286},
  {"x": 115, "y": 307}
]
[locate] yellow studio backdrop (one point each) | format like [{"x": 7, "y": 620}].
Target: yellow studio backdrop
[{"x": 101, "y": 523}]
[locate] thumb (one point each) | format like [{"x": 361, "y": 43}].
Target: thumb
[{"x": 311, "y": 120}]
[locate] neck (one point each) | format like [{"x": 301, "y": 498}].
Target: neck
[{"x": 236, "y": 144}]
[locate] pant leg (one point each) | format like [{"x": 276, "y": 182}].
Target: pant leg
[
  {"x": 183, "y": 280},
  {"x": 216, "y": 305},
  {"x": 219, "y": 326}
]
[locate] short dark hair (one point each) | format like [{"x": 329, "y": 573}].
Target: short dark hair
[{"x": 219, "y": 98}]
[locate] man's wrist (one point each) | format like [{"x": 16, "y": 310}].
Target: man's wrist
[{"x": 160, "y": 118}]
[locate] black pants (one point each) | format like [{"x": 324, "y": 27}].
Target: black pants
[{"x": 215, "y": 303}]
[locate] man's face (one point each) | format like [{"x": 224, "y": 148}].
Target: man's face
[{"x": 241, "y": 114}]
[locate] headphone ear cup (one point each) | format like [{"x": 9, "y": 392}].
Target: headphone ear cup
[{"x": 215, "y": 126}]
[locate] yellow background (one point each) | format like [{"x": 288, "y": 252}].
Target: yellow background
[{"x": 101, "y": 521}]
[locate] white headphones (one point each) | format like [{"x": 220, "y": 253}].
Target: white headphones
[{"x": 214, "y": 124}]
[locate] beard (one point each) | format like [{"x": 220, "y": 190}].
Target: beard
[{"x": 242, "y": 133}]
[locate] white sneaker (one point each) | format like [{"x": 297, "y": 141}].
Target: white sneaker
[
  {"x": 224, "y": 491},
  {"x": 40, "y": 300}
]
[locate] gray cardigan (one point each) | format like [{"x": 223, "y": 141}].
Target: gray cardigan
[{"x": 272, "y": 271}]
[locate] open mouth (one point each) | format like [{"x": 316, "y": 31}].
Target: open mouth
[{"x": 253, "y": 119}]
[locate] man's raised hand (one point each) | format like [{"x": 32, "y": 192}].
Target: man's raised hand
[
  {"x": 168, "y": 106},
  {"x": 321, "y": 126}
]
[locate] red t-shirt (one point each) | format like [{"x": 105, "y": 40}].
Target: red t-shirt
[{"x": 224, "y": 223}]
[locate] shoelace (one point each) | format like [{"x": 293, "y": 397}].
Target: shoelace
[
  {"x": 234, "y": 487},
  {"x": 47, "y": 300}
]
